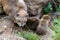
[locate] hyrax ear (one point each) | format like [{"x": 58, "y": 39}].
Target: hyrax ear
[{"x": 47, "y": 17}]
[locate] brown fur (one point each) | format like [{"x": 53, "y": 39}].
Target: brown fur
[
  {"x": 15, "y": 9},
  {"x": 47, "y": 17},
  {"x": 43, "y": 25}
]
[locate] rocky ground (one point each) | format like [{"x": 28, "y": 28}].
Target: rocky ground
[{"x": 10, "y": 37}]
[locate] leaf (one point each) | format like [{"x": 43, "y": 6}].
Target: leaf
[{"x": 58, "y": 8}]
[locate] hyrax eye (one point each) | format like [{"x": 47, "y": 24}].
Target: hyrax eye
[{"x": 17, "y": 14}]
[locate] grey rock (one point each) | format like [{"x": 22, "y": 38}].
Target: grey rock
[
  {"x": 6, "y": 24},
  {"x": 10, "y": 37},
  {"x": 35, "y": 6}
]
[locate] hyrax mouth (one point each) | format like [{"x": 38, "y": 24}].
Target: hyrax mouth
[{"x": 21, "y": 24}]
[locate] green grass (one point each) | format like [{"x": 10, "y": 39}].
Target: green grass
[
  {"x": 29, "y": 35},
  {"x": 57, "y": 36},
  {"x": 57, "y": 28}
]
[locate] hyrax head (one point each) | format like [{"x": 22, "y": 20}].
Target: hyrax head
[
  {"x": 44, "y": 22},
  {"x": 46, "y": 17},
  {"x": 21, "y": 18}
]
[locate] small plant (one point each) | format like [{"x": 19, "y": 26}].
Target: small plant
[
  {"x": 57, "y": 29},
  {"x": 58, "y": 8},
  {"x": 56, "y": 22},
  {"x": 59, "y": 0},
  {"x": 57, "y": 36},
  {"x": 48, "y": 8},
  {"x": 29, "y": 35}
]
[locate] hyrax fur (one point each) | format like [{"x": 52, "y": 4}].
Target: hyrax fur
[
  {"x": 43, "y": 25},
  {"x": 17, "y": 10}
]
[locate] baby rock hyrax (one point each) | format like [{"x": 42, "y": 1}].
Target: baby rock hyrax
[{"x": 43, "y": 25}]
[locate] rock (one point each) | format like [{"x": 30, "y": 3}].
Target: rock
[
  {"x": 35, "y": 7},
  {"x": 10, "y": 37},
  {"x": 6, "y": 24}
]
